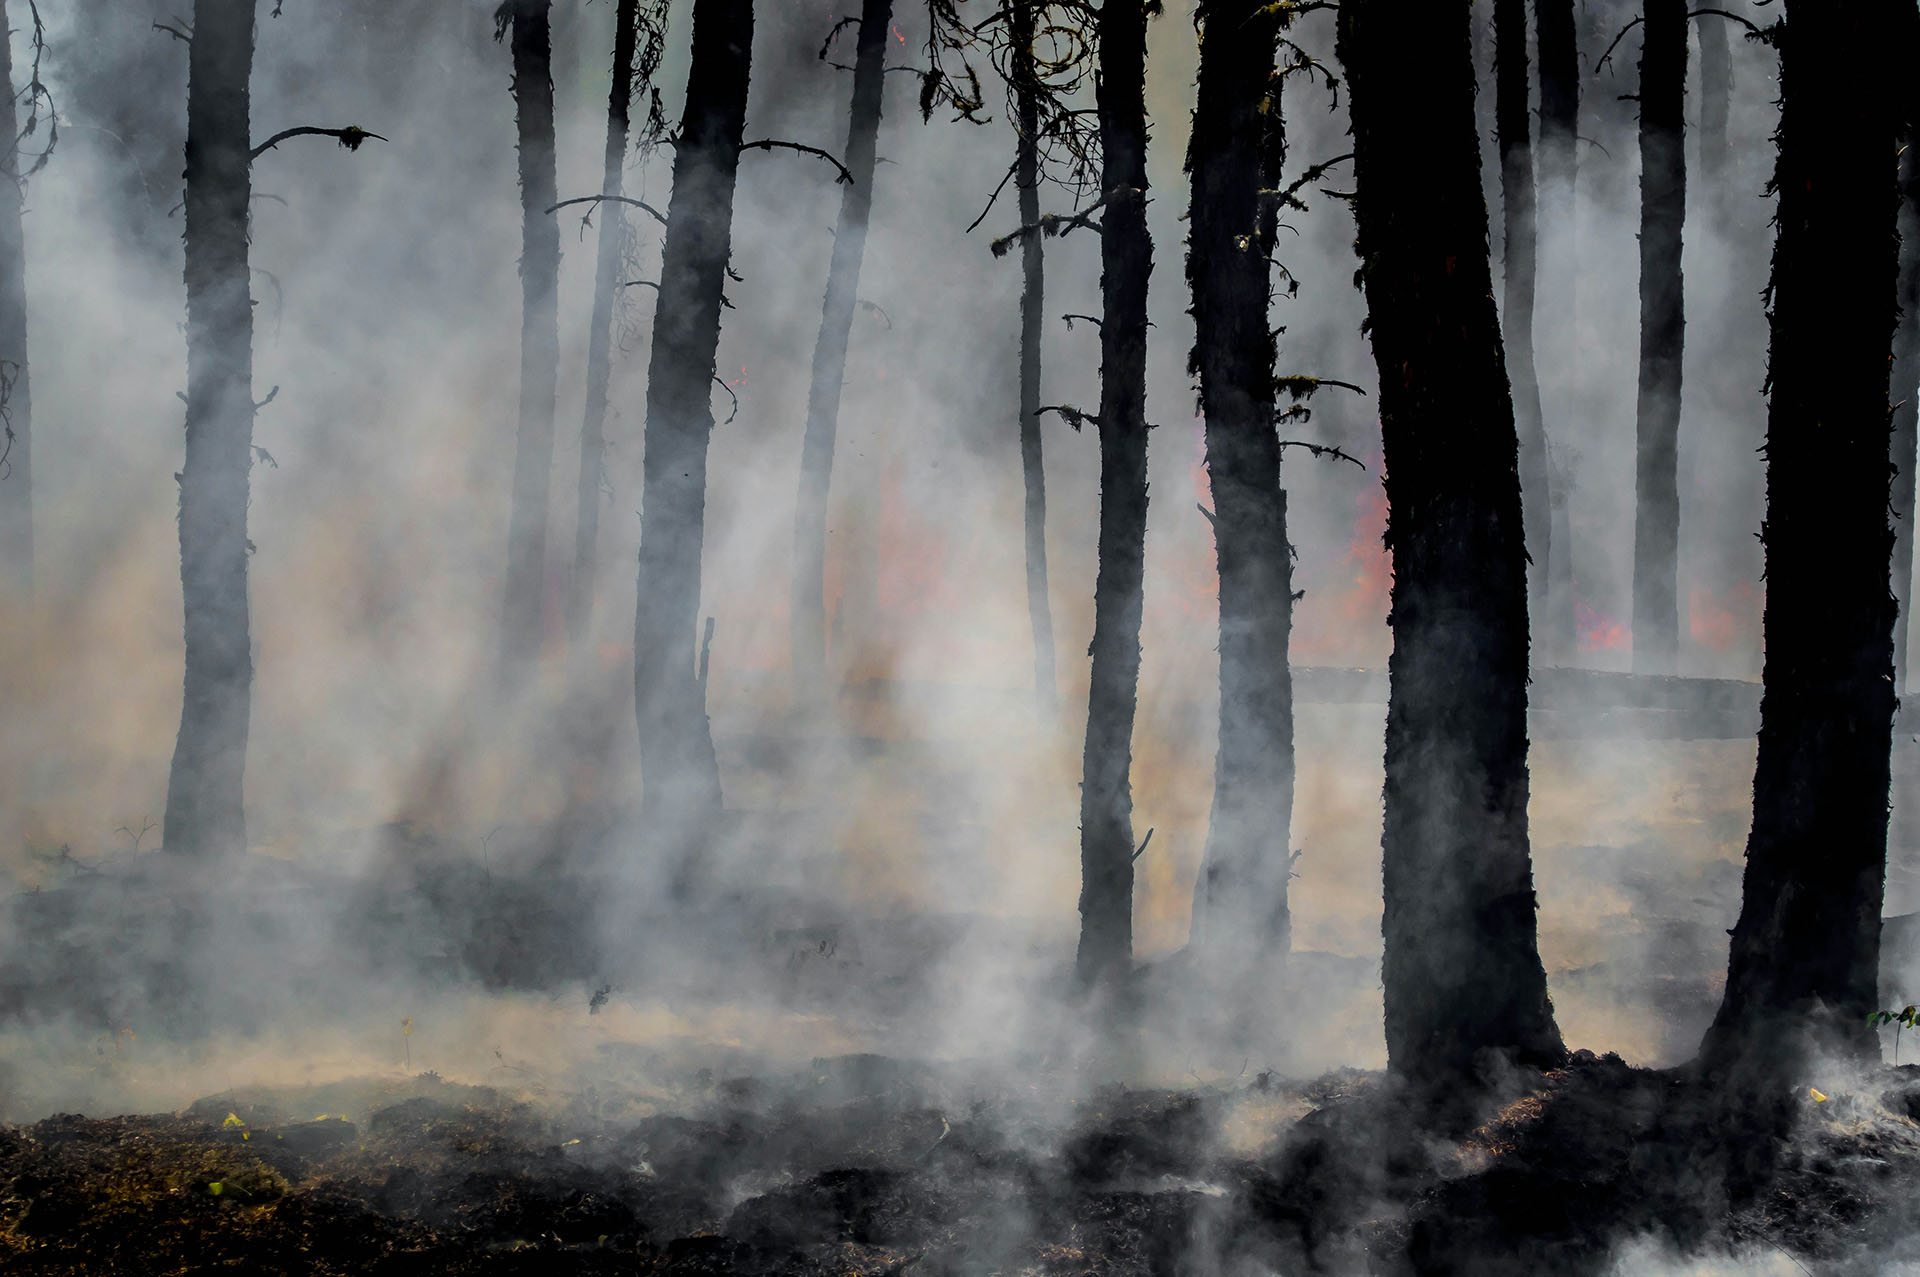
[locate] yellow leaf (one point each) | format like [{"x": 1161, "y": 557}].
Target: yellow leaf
[
  {"x": 1817, "y": 1097},
  {"x": 233, "y": 1119},
  {"x": 215, "y": 1188}
]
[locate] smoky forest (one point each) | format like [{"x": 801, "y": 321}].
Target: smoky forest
[{"x": 850, "y": 638}]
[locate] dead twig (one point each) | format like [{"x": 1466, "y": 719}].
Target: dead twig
[
  {"x": 658, "y": 216},
  {"x": 1142, "y": 849},
  {"x": 769, "y": 144},
  {"x": 1323, "y": 450},
  {"x": 350, "y": 137}
]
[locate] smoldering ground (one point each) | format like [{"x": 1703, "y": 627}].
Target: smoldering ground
[{"x": 883, "y": 948}]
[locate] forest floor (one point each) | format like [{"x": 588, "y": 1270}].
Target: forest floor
[{"x": 867, "y": 1165}]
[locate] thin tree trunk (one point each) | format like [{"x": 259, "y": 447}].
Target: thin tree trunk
[
  {"x": 1238, "y": 150},
  {"x": 676, "y": 741},
  {"x": 522, "y": 620},
  {"x": 1511, "y": 121},
  {"x": 606, "y": 291},
  {"x": 1559, "y": 57},
  {"x": 808, "y": 617},
  {"x": 1126, "y": 260},
  {"x": 204, "y": 811},
  {"x": 16, "y": 413},
  {"x": 1716, "y": 105},
  {"x": 1462, "y": 968},
  {"x": 1803, "y": 967},
  {"x": 1663, "y": 212},
  {"x": 1026, "y": 180},
  {"x": 1906, "y": 400}
]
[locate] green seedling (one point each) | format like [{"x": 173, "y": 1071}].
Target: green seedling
[{"x": 1899, "y": 1020}]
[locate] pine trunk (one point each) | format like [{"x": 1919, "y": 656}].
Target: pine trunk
[
  {"x": 808, "y": 617},
  {"x": 606, "y": 292},
  {"x": 1126, "y": 261},
  {"x": 1026, "y": 179},
  {"x": 522, "y": 621},
  {"x": 1513, "y": 125},
  {"x": 1462, "y": 971},
  {"x": 676, "y": 741},
  {"x": 204, "y": 810},
  {"x": 1663, "y": 212},
  {"x": 1906, "y": 401},
  {"x": 1237, "y": 151},
  {"x": 1803, "y": 969},
  {"x": 16, "y": 409},
  {"x": 1716, "y": 105}
]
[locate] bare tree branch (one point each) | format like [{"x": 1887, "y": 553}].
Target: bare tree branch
[
  {"x": 768, "y": 144},
  {"x": 658, "y": 216},
  {"x": 1323, "y": 450},
  {"x": 350, "y": 137}
]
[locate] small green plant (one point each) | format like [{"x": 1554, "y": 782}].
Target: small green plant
[{"x": 1899, "y": 1020}]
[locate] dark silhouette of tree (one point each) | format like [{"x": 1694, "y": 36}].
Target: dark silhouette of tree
[
  {"x": 204, "y": 813},
  {"x": 676, "y": 742},
  {"x": 1716, "y": 103},
  {"x": 1558, "y": 53},
  {"x": 16, "y": 398},
  {"x": 1513, "y": 128},
  {"x": 532, "y": 47},
  {"x": 1803, "y": 966},
  {"x": 1663, "y": 212},
  {"x": 631, "y": 66},
  {"x": 1126, "y": 261},
  {"x": 807, "y": 616},
  {"x": 1462, "y": 970},
  {"x": 1236, "y": 156},
  {"x": 1906, "y": 398}
]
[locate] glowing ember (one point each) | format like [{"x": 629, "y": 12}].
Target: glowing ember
[{"x": 1599, "y": 632}]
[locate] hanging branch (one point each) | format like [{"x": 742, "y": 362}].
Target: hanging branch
[
  {"x": 37, "y": 94},
  {"x": 1608, "y": 55},
  {"x": 658, "y": 216},
  {"x": 350, "y": 137},
  {"x": 1069, "y": 414},
  {"x": 1323, "y": 450},
  {"x": 768, "y": 144},
  {"x": 1751, "y": 27},
  {"x": 1290, "y": 197},
  {"x": 1060, "y": 223},
  {"x": 736, "y": 399}
]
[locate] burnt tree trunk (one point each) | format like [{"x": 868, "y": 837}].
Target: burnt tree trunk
[
  {"x": 522, "y": 620},
  {"x": 1238, "y": 150},
  {"x": 1126, "y": 262},
  {"x": 1558, "y": 53},
  {"x": 1663, "y": 212},
  {"x": 1906, "y": 401},
  {"x": 1513, "y": 126},
  {"x": 16, "y": 412},
  {"x": 1026, "y": 180},
  {"x": 204, "y": 811},
  {"x": 1716, "y": 105},
  {"x": 808, "y": 617},
  {"x": 606, "y": 292},
  {"x": 676, "y": 742},
  {"x": 1462, "y": 968},
  {"x": 1804, "y": 961}
]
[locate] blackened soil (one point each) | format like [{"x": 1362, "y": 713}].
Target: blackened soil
[{"x": 856, "y": 1166}]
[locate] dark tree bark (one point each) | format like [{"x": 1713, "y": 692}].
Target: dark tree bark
[
  {"x": 1906, "y": 401},
  {"x": 1026, "y": 180},
  {"x": 1513, "y": 126},
  {"x": 204, "y": 812},
  {"x": 808, "y": 617},
  {"x": 606, "y": 290},
  {"x": 1126, "y": 262},
  {"x": 1462, "y": 969},
  {"x": 1663, "y": 212},
  {"x": 16, "y": 471},
  {"x": 676, "y": 741},
  {"x": 1558, "y": 53},
  {"x": 1238, "y": 149},
  {"x": 1803, "y": 967},
  {"x": 522, "y": 620}
]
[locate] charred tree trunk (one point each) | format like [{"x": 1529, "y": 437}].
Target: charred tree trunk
[
  {"x": 16, "y": 411},
  {"x": 1663, "y": 212},
  {"x": 1558, "y": 51},
  {"x": 676, "y": 741},
  {"x": 1906, "y": 401},
  {"x": 1462, "y": 968},
  {"x": 1716, "y": 105},
  {"x": 1803, "y": 968},
  {"x": 204, "y": 812},
  {"x": 522, "y": 621},
  {"x": 1511, "y": 122},
  {"x": 1126, "y": 262},
  {"x": 1237, "y": 151},
  {"x": 808, "y": 615},
  {"x": 1026, "y": 180},
  {"x": 606, "y": 291}
]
